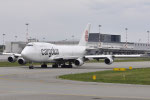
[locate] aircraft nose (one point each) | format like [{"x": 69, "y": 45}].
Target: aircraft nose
[{"x": 25, "y": 53}]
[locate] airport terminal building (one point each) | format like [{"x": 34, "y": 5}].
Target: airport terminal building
[
  {"x": 100, "y": 44},
  {"x": 111, "y": 44}
]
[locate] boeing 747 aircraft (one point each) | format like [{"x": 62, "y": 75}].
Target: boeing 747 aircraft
[{"x": 59, "y": 55}]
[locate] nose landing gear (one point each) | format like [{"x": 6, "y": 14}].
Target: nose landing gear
[
  {"x": 55, "y": 66},
  {"x": 31, "y": 66}
]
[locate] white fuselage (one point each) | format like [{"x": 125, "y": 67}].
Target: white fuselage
[{"x": 46, "y": 52}]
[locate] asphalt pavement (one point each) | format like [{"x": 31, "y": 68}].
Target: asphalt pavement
[{"x": 21, "y": 83}]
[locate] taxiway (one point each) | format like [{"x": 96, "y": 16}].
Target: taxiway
[{"x": 21, "y": 83}]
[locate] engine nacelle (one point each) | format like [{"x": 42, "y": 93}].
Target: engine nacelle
[
  {"x": 21, "y": 61},
  {"x": 12, "y": 59},
  {"x": 109, "y": 60},
  {"x": 78, "y": 62}
]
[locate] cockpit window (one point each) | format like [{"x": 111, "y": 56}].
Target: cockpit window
[{"x": 29, "y": 45}]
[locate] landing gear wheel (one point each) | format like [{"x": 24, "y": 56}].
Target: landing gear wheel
[
  {"x": 44, "y": 66},
  {"x": 63, "y": 66},
  {"x": 66, "y": 66},
  {"x": 55, "y": 66},
  {"x": 69, "y": 66},
  {"x": 31, "y": 67}
]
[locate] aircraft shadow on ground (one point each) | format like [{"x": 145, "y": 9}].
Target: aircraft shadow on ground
[{"x": 90, "y": 68}]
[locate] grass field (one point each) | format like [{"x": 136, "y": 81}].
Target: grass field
[
  {"x": 124, "y": 60},
  {"x": 135, "y": 76},
  {"x": 8, "y": 64}
]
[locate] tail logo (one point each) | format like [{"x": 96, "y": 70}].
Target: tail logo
[{"x": 86, "y": 35}]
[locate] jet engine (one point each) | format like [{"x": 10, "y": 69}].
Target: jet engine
[
  {"x": 21, "y": 61},
  {"x": 79, "y": 62},
  {"x": 109, "y": 60},
  {"x": 12, "y": 59}
]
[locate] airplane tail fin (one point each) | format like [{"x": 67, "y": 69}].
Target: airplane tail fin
[{"x": 84, "y": 39}]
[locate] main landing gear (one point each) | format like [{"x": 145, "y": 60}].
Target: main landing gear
[
  {"x": 62, "y": 65},
  {"x": 67, "y": 66},
  {"x": 55, "y": 66},
  {"x": 44, "y": 66}
]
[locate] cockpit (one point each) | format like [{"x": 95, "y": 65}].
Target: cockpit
[{"x": 29, "y": 44}]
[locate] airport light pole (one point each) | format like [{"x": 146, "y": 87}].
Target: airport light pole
[
  {"x": 43, "y": 39},
  {"x": 99, "y": 32},
  {"x": 3, "y": 42},
  {"x": 16, "y": 38},
  {"x": 126, "y": 29},
  {"x": 73, "y": 39},
  {"x": 139, "y": 40},
  {"x": 27, "y": 24},
  {"x": 99, "y": 35},
  {"x": 148, "y": 37},
  {"x": 99, "y": 28}
]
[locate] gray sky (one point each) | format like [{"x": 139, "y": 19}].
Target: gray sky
[{"x": 60, "y": 19}]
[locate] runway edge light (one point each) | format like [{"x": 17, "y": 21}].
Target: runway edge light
[
  {"x": 116, "y": 69},
  {"x": 94, "y": 77},
  {"x": 130, "y": 68},
  {"x": 122, "y": 69},
  {"x": 119, "y": 69}
]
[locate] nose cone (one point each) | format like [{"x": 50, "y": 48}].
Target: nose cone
[
  {"x": 27, "y": 53},
  {"x": 24, "y": 53}
]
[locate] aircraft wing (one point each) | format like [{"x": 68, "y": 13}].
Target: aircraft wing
[
  {"x": 113, "y": 56},
  {"x": 96, "y": 57},
  {"x": 14, "y": 54},
  {"x": 64, "y": 57}
]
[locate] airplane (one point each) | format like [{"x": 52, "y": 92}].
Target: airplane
[{"x": 60, "y": 55}]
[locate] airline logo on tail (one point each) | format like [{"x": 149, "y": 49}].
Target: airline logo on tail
[{"x": 86, "y": 35}]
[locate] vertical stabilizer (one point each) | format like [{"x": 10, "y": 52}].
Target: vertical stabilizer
[{"x": 85, "y": 35}]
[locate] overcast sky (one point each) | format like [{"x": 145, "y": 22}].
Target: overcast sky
[{"x": 60, "y": 19}]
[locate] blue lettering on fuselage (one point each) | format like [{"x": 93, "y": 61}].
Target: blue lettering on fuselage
[{"x": 50, "y": 52}]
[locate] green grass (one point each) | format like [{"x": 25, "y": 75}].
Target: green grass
[
  {"x": 123, "y": 60},
  {"x": 8, "y": 64},
  {"x": 135, "y": 76}
]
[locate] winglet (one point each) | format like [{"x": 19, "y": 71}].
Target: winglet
[{"x": 85, "y": 36}]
